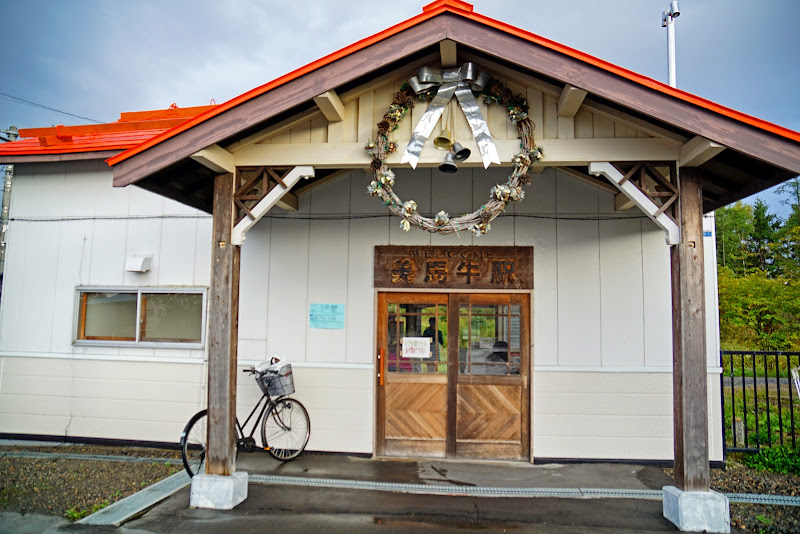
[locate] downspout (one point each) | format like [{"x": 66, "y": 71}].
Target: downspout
[{"x": 12, "y": 136}]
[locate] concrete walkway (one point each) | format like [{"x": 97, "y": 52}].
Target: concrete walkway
[{"x": 343, "y": 493}]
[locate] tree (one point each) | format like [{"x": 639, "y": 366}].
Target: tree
[
  {"x": 762, "y": 243},
  {"x": 789, "y": 234},
  {"x": 734, "y": 226}
]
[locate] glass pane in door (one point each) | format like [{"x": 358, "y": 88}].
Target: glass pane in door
[
  {"x": 489, "y": 339},
  {"x": 426, "y": 325}
]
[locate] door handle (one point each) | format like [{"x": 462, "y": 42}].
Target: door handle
[
  {"x": 380, "y": 366},
  {"x": 525, "y": 381}
]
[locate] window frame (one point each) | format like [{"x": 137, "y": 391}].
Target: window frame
[{"x": 80, "y": 314}]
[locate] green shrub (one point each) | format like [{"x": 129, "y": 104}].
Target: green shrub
[{"x": 777, "y": 460}]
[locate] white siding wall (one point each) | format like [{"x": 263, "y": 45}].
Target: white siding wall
[
  {"x": 601, "y": 304},
  {"x": 47, "y": 384}
]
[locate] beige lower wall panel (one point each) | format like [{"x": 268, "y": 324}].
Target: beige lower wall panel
[
  {"x": 611, "y": 415},
  {"x": 603, "y": 448},
  {"x": 21, "y": 423},
  {"x": 340, "y": 403},
  {"x": 34, "y": 405},
  {"x": 148, "y": 401}
]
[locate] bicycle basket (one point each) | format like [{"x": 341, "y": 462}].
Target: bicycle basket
[{"x": 277, "y": 381}]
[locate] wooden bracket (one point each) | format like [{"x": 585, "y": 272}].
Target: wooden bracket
[
  {"x": 255, "y": 197},
  {"x": 331, "y": 106},
  {"x": 449, "y": 53},
  {"x": 215, "y": 158},
  {"x": 645, "y": 201}
]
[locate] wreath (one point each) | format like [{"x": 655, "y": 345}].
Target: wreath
[{"x": 499, "y": 196}]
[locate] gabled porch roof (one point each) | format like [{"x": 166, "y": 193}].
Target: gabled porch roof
[{"x": 760, "y": 154}]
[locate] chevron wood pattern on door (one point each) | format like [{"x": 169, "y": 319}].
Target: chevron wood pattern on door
[
  {"x": 490, "y": 413},
  {"x": 416, "y": 411}
]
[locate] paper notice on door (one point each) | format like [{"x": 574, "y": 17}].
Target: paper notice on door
[{"x": 416, "y": 347}]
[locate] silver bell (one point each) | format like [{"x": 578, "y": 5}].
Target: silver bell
[
  {"x": 460, "y": 152},
  {"x": 448, "y": 165}
]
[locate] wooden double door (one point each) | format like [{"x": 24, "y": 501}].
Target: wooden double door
[{"x": 453, "y": 375}]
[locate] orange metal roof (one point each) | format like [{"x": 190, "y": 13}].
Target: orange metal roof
[
  {"x": 79, "y": 143},
  {"x": 465, "y": 10},
  {"x": 132, "y": 129}
]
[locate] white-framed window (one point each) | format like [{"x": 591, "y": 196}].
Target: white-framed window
[{"x": 146, "y": 316}]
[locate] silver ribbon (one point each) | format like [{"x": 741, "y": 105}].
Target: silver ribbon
[{"x": 461, "y": 82}]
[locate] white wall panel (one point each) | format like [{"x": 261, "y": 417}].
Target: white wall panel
[
  {"x": 621, "y": 293},
  {"x": 254, "y": 293},
  {"x": 39, "y": 288},
  {"x": 712, "y": 295},
  {"x": 104, "y": 399},
  {"x": 48, "y": 179},
  {"x": 450, "y": 193},
  {"x": 541, "y": 234},
  {"x": 416, "y": 186},
  {"x": 327, "y": 284},
  {"x": 176, "y": 255},
  {"x": 287, "y": 316},
  {"x": 79, "y": 195},
  {"x": 609, "y": 415},
  {"x": 657, "y": 296},
  {"x": 143, "y": 203},
  {"x": 328, "y": 268},
  {"x": 574, "y": 196},
  {"x": 579, "y": 307},
  {"x": 111, "y": 201},
  {"x": 364, "y": 234},
  {"x": 142, "y": 237},
  {"x": 202, "y": 263},
  {"x": 20, "y": 235},
  {"x": 72, "y": 253},
  {"x": 22, "y": 192}
]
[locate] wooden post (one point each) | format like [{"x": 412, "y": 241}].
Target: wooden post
[
  {"x": 223, "y": 334},
  {"x": 690, "y": 403}
]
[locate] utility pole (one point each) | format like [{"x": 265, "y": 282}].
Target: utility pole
[
  {"x": 12, "y": 134},
  {"x": 668, "y": 22}
]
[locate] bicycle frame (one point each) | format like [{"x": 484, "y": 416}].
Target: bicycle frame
[{"x": 240, "y": 428}]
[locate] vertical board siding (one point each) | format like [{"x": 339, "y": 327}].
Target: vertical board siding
[
  {"x": 47, "y": 260},
  {"x": 288, "y": 289},
  {"x": 657, "y": 296},
  {"x": 254, "y": 295},
  {"x": 622, "y": 298},
  {"x": 133, "y": 238},
  {"x": 327, "y": 265}
]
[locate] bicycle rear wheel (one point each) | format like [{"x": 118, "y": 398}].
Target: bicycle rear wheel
[
  {"x": 285, "y": 429},
  {"x": 194, "y": 442}
]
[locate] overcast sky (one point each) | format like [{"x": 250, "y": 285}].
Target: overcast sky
[{"x": 97, "y": 58}]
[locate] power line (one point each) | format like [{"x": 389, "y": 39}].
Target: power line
[{"x": 18, "y": 100}]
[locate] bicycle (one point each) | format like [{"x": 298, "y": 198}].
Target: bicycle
[{"x": 285, "y": 426}]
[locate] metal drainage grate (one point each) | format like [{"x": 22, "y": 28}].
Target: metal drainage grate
[{"x": 477, "y": 491}]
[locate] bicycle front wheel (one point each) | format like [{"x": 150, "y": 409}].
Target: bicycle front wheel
[
  {"x": 285, "y": 429},
  {"x": 194, "y": 441}
]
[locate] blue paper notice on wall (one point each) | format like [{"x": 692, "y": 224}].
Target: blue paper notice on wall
[
  {"x": 706, "y": 234},
  {"x": 330, "y": 316}
]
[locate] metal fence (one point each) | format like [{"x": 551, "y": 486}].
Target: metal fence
[{"x": 760, "y": 403}]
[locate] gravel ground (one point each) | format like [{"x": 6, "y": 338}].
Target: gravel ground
[
  {"x": 75, "y": 488},
  {"x": 72, "y": 488},
  {"x": 737, "y": 478}
]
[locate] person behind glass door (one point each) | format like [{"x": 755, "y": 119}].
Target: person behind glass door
[{"x": 435, "y": 335}]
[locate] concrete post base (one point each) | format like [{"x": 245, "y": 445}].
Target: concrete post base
[
  {"x": 697, "y": 511},
  {"x": 217, "y": 491}
]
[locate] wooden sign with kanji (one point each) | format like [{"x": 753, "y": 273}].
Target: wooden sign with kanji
[{"x": 454, "y": 267}]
